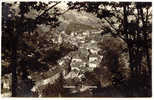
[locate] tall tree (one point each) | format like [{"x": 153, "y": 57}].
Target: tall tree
[{"x": 15, "y": 24}]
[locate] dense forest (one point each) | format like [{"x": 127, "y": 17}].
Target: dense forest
[{"x": 76, "y": 49}]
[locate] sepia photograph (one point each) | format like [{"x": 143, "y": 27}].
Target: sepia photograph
[{"x": 94, "y": 49}]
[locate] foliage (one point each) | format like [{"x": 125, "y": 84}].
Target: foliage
[
  {"x": 17, "y": 28},
  {"x": 20, "y": 40},
  {"x": 54, "y": 90}
]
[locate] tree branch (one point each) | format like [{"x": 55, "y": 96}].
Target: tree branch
[
  {"x": 115, "y": 30},
  {"x": 67, "y": 10},
  {"x": 48, "y": 10}
]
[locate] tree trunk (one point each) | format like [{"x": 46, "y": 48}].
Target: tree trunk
[
  {"x": 126, "y": 36},
  {"x": 14, "y": 65},
  {"x": 146, "y": 42}
]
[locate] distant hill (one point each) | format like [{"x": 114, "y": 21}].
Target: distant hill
[
  {"x": 74, "y": 27},
  {"x": 74, "y": 21}
]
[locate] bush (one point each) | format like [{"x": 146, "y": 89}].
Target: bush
[{"x": 114, "y": 65}]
